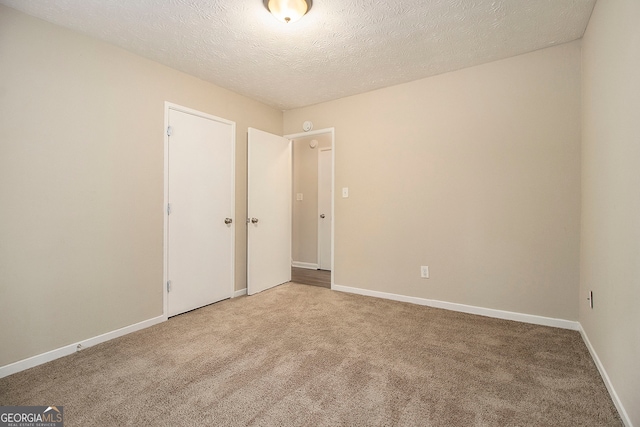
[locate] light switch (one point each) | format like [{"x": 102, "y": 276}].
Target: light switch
[
  {"x": 345, "y": 192},
  {"x": 298, "y": 196}
]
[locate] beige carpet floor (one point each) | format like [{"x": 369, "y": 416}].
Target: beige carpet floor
[{"x": 304, "y": 355}]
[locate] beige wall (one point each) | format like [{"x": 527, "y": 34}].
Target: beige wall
[
  {"x": 475, "y": 173},
  {"x": 304, "y": 245},
  {"x": 610, "y": 248},
  {"x": 81, "y": 178}
]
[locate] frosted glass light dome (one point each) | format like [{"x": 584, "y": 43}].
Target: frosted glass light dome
[{"x": 288, "y": 11}]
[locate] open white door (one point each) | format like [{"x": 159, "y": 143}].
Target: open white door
[
  {"x": 200, "y": 193},
  {"x": 269, "y": 211},
  {"x": 325, "y": 195}
]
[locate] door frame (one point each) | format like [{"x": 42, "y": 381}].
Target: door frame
[
  {"x": 165, "y": 254},
  {"x": 332, "y": 132}
]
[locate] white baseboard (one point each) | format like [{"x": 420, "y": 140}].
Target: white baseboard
[
  {"x": 239, "y": 293},
  {"x": 488, "y": 312},
  {"x": 21, "y": 365},
  {"x": 307, "y": 265},
  {"x": 605, "y": 378}
]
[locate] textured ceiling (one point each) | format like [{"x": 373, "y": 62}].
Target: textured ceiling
[{"x": 340, "y": 48}]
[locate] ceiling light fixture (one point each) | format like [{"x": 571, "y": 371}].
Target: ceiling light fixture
[{"x": 288, "y": 11}]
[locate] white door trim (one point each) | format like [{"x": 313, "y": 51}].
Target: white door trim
[
  {"x": 332, "y": 132},
  {"x": 170, "y": 106}
]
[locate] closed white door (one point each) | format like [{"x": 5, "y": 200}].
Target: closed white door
[
  {"x": 325, "y": 195},
  {"x": 201, "y": 194},
  {"x": 269, "y": 211}
]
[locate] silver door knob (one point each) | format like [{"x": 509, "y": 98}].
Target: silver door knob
[
  {"x": 254, "y": 220},
  {"x": 321, "y": 215},
  {"x": 228, "y": 221}
]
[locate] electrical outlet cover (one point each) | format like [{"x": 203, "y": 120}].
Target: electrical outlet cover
[{"x": 424, "y": 271}]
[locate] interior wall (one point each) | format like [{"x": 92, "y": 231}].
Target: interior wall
[
  {"x": 610, "y": 247},
  {"x": 304, "y": 246},
  {"x": 475, "y": 173},
  {"x": 81, "y": 178}
]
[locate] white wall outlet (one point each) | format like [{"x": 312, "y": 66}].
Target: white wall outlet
[
  {"x": 424, "y": 271},
  {"x": 345, "y": 192},
  {"x": 298, "y": 196}
]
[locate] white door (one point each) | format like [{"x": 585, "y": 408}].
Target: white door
[
  {"x": 269, "y": 211},
  {"x": 201, "y": 193},
  {"x": 325, "y": 195}
]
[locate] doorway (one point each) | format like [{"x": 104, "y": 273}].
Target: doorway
[{"x": 312, "y": 225}]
